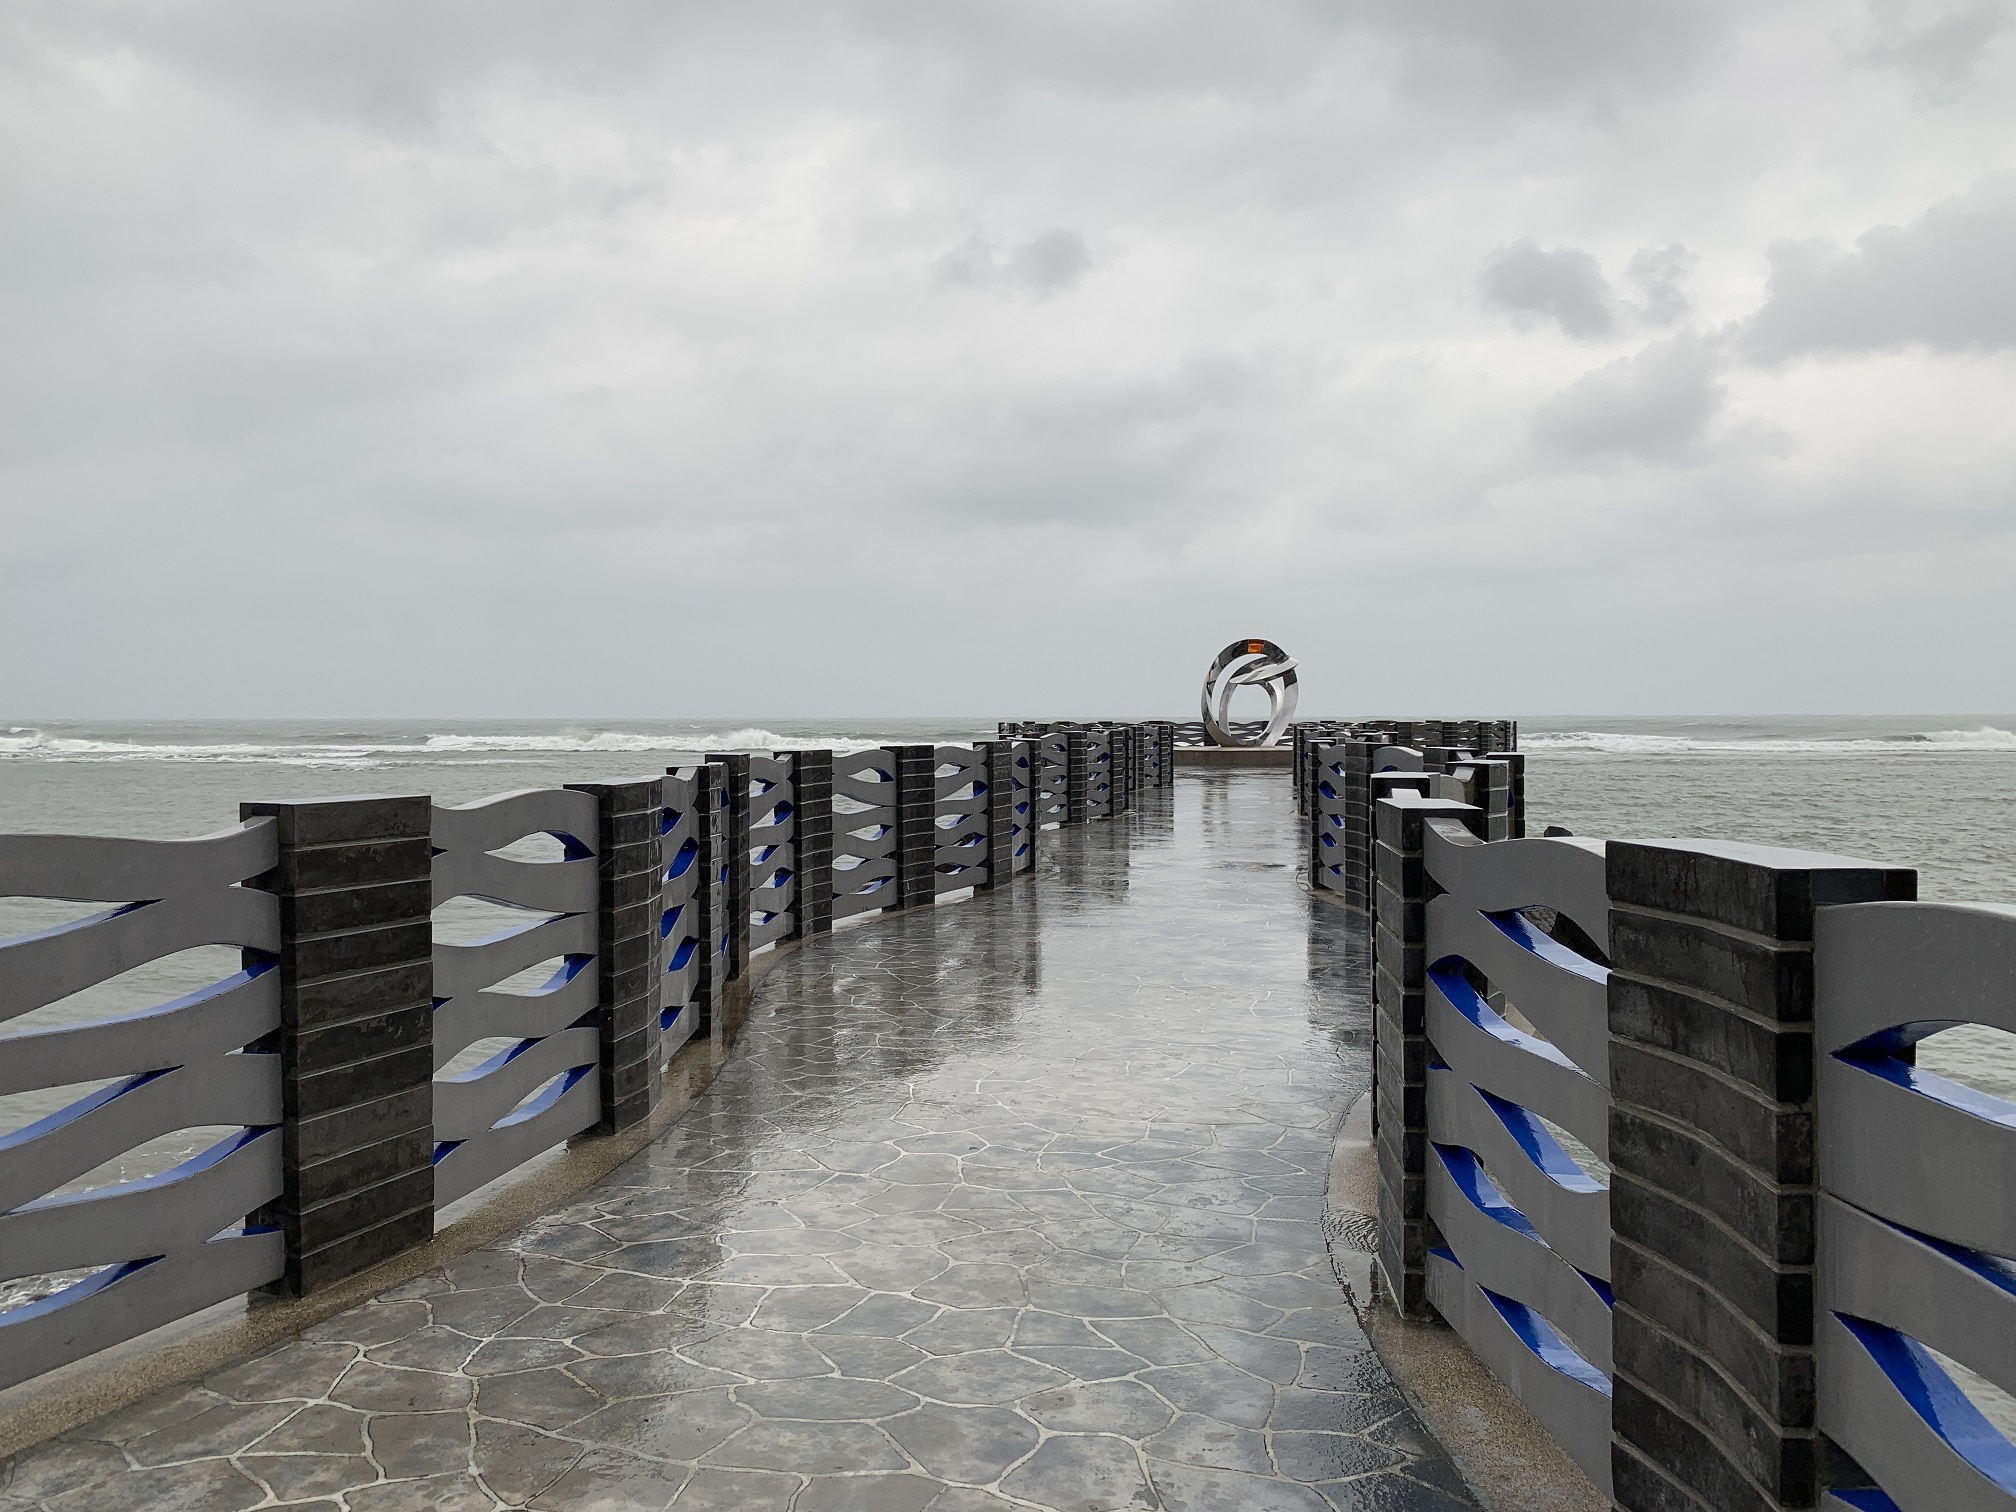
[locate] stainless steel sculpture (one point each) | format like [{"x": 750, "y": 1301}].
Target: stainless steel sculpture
[{"x": 1262, "y": 665}]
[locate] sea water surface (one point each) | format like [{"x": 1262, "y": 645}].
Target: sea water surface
[{"x": 1935, "y": 792}]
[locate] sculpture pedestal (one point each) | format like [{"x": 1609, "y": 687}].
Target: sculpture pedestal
[{"x": 1211, "y": 757}]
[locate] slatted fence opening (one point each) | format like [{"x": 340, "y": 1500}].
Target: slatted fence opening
[
  {"x": 864, "y": 833},
  {"x": 1518, "y": 1121},
  {"x": 516, "y": 1047}
]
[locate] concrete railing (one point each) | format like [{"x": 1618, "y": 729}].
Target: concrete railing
[
  {"x": 487, "y": 1118},
  {"x": 366, "y": 1066},
  {"x": 141, "y": 1253},
  {"x": 1652, "y": 1139},
  {"x": 1517, "y": 1241},
  {"x": 1917, "y": 1210}
]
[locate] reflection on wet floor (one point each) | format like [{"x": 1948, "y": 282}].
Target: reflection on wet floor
[{"x": 1014, "y": 1203}]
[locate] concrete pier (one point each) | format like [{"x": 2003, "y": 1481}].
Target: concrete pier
[{"x": 1014, "y": 1204}]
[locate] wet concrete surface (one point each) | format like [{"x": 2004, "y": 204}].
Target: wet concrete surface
[{"x": 1014, "y": 1203}]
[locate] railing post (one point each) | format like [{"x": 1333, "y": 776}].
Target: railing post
[
  {"x": 1077, "y": 775},
  {"x": 1400, "y": 1039},
  {"x": 628, "y": 878},
  {"x": 1361, "y": 821},
  {"x": 1713, "y": 1186},
  {"x": 998, "y": 763},
  {"x": 734, "y": 767},
  {"x": 356, "y": 1036},
  {"x": 710, "y": 897},
  {"x": 812, "y": 785},
  {"x": 1515, "y": 803},
  {"x": 916, "y": 825}
]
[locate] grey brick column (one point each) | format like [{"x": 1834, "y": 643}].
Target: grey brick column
[
  {"x": 1712, "y": 1194},
  {"x": 734, "y": 768},
  {"x": 916, "y": 825},
  {"x": 1077, "y": 775},
  {"x": 1377, "y": 785},
  {"x": 711, "y": 829},
  {"x": 1515, "y": 766},
  {"x": 812, "y": 785},
  {"x": 627, "y": 961},
  {"x": 1357, "y": 823},
  {"x": 998, "y": 762},
  {"x": 356, "y": 1038},
  {"x": 1122, "y": 741},
  {"x": 1400, "y": 1038}
]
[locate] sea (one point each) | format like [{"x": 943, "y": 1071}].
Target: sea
[{"x": 1936, "y": 792}]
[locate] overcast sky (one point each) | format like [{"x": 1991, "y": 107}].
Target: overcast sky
[{"x": 992, "y": 356}]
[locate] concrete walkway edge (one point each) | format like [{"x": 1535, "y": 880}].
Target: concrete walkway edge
[{"x": 1509, "y": 1461}]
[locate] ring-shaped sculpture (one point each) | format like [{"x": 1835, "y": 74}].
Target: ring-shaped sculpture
[{"x": 1262, "y": 664}]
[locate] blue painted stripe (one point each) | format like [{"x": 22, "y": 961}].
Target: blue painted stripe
[
  {"x": 1468, "y": 1001},
  {"x": 1540, "y": 1145},
  {"x": 1546, "y": 1342},
  {"x": 1517, "y": 928},
  {"x": 1940, "y": 1404}
]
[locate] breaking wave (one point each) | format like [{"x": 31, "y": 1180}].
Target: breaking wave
[
  {"x": 25, "y": 743},
  {"x": 1612, "y": 743}
]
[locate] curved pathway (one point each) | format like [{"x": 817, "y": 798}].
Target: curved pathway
[{"x": 1010, "y": 1204}]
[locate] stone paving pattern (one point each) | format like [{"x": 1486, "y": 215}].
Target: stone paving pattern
[{"x": 1010, "y": 1204}]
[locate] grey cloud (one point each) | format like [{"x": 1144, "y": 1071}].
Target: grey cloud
[
  {"x": 1576, "y": 52},
  {"x": 1045, "y": 264},
  {"x": 1944, "y": 282},
  {"x": 426, "y": 316},
  {"x": 1565, "y": 285},
  {"x": 1660, "y": 275},
  {"x": 1655, "y": 405},
  {"x": 1940, "y": 57}
]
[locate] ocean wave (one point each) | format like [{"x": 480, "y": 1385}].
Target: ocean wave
[
  {"x": 1613, "y": 743},
  {"x": 23, "y": 743}
]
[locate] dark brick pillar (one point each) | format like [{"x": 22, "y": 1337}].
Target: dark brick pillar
[
  {"x": 711, "y": 830},
  {"x": 734, "y": 867},
  {"x": 734, "y": 768},
  {"x": 916, "y": 825},
  {"x": 1712, "y": 1152},
  {"x": 998, "y": 763},
  {"x": 1400, "y": 1037},
  {"x": 1120, "y": 779},
  {"x": 1357, "y": 762},
  {"x": 1361, "y": 826},
  {"x": 356, "y": 1036},
  {"x": 1515, "y": 767},
  {"x": 629, "y": 874},
  {"x": 1077, "y": 775},
  {"x": 812, "y": 785}
]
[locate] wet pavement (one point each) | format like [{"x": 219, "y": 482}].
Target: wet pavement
[{"x": 1014, "y": 1203}]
